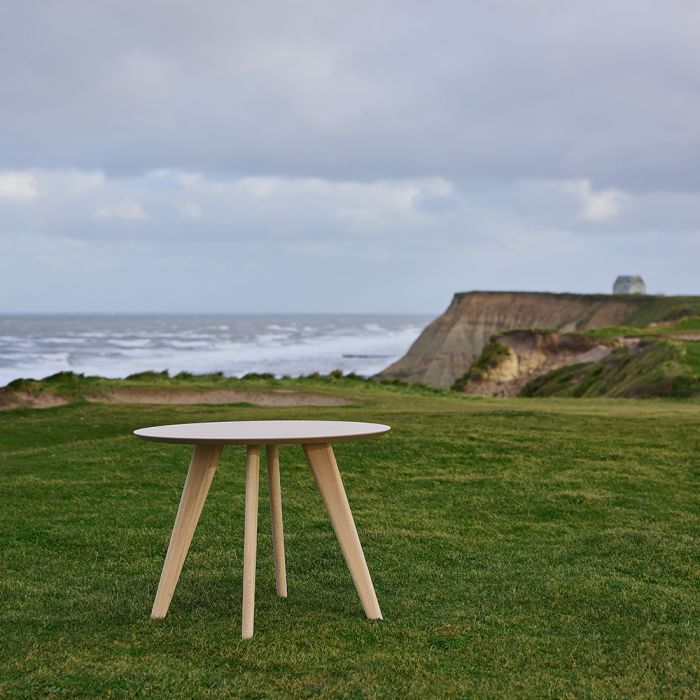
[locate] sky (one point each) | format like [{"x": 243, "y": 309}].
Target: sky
[{"x": 294, "y": 156}]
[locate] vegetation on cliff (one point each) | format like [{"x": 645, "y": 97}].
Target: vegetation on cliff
[
  {"x": 658, "y": 360},
  {"x": 653, "y": 369},
  {"x": 659, "y": 309},
  {"x": 686, "y": 325},
  {"x": 491, "y": 356}
]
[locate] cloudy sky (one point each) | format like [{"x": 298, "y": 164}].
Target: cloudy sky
[{"x": 344, "y": 156}]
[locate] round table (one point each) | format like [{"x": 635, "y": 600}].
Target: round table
[{"x": 317, "y": 438}]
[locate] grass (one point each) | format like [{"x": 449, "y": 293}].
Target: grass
[
  {"x": 660, "y": 308},
  {"x": 645, "y": 309},
  {"x": 684, "y": 325},
  {"x": 692, "y": 355},
  {"x": 519, "y": 548}
]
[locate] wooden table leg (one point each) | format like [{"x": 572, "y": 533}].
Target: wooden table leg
[
  {"x": 327, "y": 477},
  {"x": 199, "y": 477},
  {"x": 250, "y": 540},
  {"x": 273, "y": 478}
]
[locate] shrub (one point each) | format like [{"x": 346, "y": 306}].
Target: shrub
[{"x": 149, "y": 375}]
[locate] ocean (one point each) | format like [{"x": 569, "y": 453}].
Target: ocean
[{"x": 36, "y": 346}]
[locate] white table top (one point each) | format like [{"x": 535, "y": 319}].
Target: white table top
[{"x": 262, "y": 432}]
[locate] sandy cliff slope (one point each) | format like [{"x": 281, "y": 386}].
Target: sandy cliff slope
[{"x": 524, "y": 355}]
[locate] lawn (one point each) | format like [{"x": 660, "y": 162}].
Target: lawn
[{"x": 518, "y": 547}]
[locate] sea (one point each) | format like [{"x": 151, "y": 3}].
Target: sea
[{"x": 36, "y": 346}]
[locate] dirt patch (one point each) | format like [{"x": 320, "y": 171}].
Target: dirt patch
[
  {"x": 596, "y": 354},
  {"x": 23, "y": 398},
  {"x": 279, "y": 397}
]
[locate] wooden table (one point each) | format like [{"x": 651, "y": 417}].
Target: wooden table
[{"x": 316, "y": 437}]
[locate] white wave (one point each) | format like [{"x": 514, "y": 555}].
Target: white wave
[
  {"x": 277, "y": 327},
  {"x": 270, "y": 338},
  {"x": 252, "y": 344},
  {"x": 68, "y": 340},
  {"x": 134, "y": 343},
  {"x": 184, "y": 344}
]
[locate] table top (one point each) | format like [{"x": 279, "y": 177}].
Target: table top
[{"x": 262, "y": 432}]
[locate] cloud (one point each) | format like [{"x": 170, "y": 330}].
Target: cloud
[
  {"x": 331, "y": 245},
  {"x": 393, "y": 203},
  {"x": 599, "y": 206},
  {"x": 189, "y": 210},
  {"x": 18, "y": 186},
  {"x": 70, "y": 183},
  {"x": 502, "y": 91},
  {"x": 295, "y": 204},
  {"x": 128, "y": 210}
]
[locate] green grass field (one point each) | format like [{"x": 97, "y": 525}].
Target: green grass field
[{"x": 520, "y": 547}]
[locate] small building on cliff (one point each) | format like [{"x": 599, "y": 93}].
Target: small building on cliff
[{"x": 629, "y": 284}]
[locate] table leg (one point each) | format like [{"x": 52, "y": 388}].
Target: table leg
[
  {"x": 273, "y": 478},
  {"x": 194, "y": 493},
  {"x": 250, "y": 539},
  {"x": 327, "y": 477}
]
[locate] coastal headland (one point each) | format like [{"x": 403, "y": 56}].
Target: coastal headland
[{"x": 555, "y": 330}]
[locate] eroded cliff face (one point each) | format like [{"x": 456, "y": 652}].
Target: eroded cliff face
[
  {"x": 529, "y": 354},
  {"x": 447, "y": 347}
]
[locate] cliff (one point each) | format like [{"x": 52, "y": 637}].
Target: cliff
[{"x": 447, "y": 347}]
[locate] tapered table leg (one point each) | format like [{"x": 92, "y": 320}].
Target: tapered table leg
[
  {"x": 250, "y": 538},
  {"x": 199, "y": 477},
  {"x": 327, "y": 477},
  {"x": 273, "y": 479}
]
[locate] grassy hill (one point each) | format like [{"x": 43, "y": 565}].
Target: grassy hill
[
  {"x": 656, "y": 368},
  {"x": 519, "y": 548},
  {"x": 657, "y": 309}
]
